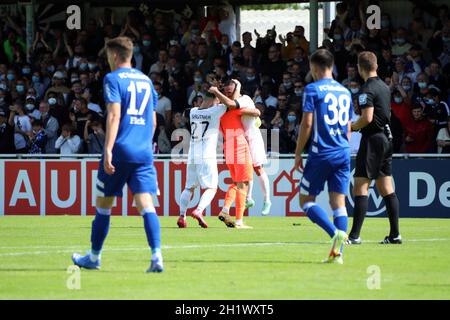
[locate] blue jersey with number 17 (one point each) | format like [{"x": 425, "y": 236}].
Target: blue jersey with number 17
[
  {"x": 332, "y": 106},
  {"x": 138, "y": 98}
]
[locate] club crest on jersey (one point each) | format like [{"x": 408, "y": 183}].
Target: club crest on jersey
[{"x": 363, "y": 99}]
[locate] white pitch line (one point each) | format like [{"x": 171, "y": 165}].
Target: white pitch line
[{"x": 199, "y": 246}]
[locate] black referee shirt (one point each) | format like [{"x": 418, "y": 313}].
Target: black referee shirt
[{"x": 375, "y": 93}]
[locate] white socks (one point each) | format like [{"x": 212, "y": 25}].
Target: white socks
[
  {"x": 265, "y": 185},
  {"x": 206, "y": 199},
  {"x": 250, "y": 190},
  {"x": 184, "y": 201}
]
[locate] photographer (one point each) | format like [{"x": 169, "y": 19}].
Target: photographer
[{"x": 22, "y": 127}]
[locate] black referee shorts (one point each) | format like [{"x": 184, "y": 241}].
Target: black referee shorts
[{"x": 374, "y": 158}]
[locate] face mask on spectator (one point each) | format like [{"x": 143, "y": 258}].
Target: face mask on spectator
[
  {"x": 406, "y": 87},
  {"x": 43, "y": 114},
  {"x": 337, "y": 37},
  {"x": 429, "y": 101},
  {"x": 52, "y": 101},
  {"x": 2, "y": 76},
  {"x": 298, "y": 92},
  {"x": 74, "y": 79},
  {"x": 29, "y": 106},
  {"x": 354, "y": 90},
  {"x": 198, "y": 79},
  {"x": 251, "y": 78},
  {"x": 92, "y": 66},
  {"x": 35, "y": 79},
  {"x": 51, "y": 69},
  {"x": 136, "y": 49},
  {"x": 83, "y": 66},
  {"x": 2, "y": 99},
  {"x": 287, "y": 84},
  {"x": 422, "y": 85},
  {"x": 26, "y": 70},
  {"x": 398, "y": 100},
  {"x": 291, "y": 118},
  {"x": 20, "y": 88},
  {"x": 400, "y": 41},
  {"x": 3, "y": 86},
  {"x": 10, "y": 76},
  {"x": 146, "y": 43}
]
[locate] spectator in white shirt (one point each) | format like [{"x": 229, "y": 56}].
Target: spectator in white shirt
[
  {"x": 22, "y": 127},
  {"x": 164, "y": 106},
  {"x": 68, "y": 142}
]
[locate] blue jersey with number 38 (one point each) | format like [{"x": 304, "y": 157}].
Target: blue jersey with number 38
[
  {"x": 332, "y": 106},
  {"x": 138, "y": 98}
]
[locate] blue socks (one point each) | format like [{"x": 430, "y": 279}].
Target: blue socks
[
  {"x": 152, "y": 229},
  {"x": 341, "y": 219},
  {"x": 317, "y": 215},
  {"x": 100, "y": 228}
]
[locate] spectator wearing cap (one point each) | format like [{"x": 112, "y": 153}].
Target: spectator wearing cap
[
  {"x": 419, "y": 132},
  {"x": 22, "y": 127},
  {"x": 30, "y": 107},
  {"x": 50, "y": 126},
  {"x": 443, "y": 139},
  {"x": 68, "y": 142},
  {"x": 6, "y": 134},
  {"x": 58, "y": 84}
]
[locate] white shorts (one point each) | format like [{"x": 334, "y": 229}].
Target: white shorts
[
  {"x": 202, "y": 174},
  {"x": 257, "y": 149}
]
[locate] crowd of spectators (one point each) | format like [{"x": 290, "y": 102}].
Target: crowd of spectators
[{"x": 51, "y": 98}]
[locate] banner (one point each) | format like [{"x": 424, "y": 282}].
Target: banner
[{"x": 68, "y": 187}]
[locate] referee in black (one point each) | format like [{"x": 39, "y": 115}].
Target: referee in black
[{"x": 374, "y": 158}]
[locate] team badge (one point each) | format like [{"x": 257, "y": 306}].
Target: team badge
[{"x": 363, "y": 99}]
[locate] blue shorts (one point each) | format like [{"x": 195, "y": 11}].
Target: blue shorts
[
  {"x": 140, "y": 178},
  {"x": 333, "y": 169}
]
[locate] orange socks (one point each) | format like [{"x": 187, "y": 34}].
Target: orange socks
[
  {"x": 229, "y": 198},
  {"x": 241, "y": 197}
]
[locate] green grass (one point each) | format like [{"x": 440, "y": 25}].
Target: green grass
[{"x": 275, "y": 260}]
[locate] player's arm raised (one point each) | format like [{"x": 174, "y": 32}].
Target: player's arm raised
[
  {"x": 231, "y": 104},
  {"x": 303, "y": 137},
  {"x": 112, "y": 127}
]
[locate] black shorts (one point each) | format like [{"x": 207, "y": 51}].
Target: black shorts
[{"x": 374, "y": 158}]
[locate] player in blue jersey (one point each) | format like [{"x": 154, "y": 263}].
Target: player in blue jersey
[
  {"x": 327, "y": 109},
  {"x": 128, "y": 158}
]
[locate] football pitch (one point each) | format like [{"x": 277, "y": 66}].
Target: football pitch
[{"x": 279, "y": 259}]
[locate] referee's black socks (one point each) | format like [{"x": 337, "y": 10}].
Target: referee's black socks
[
  {"x": 392, "y": 209},
  {"x": 359, "y": 213}
]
